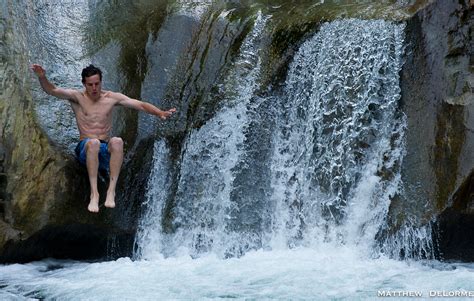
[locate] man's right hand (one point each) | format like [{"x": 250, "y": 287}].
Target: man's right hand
[
  {"x": 51, "y": 89},
  {"x": 38, "y": 70}
]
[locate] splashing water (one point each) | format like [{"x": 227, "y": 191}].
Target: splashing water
[
  {"x": 338, "y": 153},
  {"x": 157, "y": 189},
  {"x": 338, "y": 145},
  {"x": 208, "y": 159}
]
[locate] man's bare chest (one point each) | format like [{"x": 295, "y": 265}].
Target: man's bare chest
[{"x": 101, "y": 108}]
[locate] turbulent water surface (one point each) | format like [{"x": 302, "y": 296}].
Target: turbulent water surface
[{"x": 300, "y": 274}]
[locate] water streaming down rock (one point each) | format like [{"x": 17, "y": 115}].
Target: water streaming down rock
[
  {"x": 148, "y": 237},
  {"x": 339, "y": 149},
  {"x": 203, "y": 205},
  {"x": 338, "y": 145}
]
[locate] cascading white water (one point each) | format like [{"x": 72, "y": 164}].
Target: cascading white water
[
  {"x": 148, "y": 242},
  {"x": 193, "y": 8},
  {"x": 339, "y": 144},
  {"x": 210, "y": 154}
]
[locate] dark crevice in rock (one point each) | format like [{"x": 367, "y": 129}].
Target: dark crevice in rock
[
  {"x": 72, "y": 241},
  {"x": 455, "y": 225},
  {"x": 455, "y": 236}
]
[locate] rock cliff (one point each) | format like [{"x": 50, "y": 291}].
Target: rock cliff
[{"x": 438, "y": 99}]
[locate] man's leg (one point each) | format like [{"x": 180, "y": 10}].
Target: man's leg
[
  {"x": 92, "y": 163},
  {"x": 116, "y": 159}
]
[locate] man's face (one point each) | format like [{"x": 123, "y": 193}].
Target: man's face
[{"x": 93, "y": 85}]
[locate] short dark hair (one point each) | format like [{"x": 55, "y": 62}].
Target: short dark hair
[{"x": 89, "y": 71}]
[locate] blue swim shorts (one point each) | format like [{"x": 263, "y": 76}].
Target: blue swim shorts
[{"x": 104, "y": 155}]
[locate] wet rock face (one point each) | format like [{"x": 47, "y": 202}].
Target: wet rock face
[
  {"x": 435, "y": 118},
  {"x": 455, "y": 141},
  {"x": 438, "y": 99}
]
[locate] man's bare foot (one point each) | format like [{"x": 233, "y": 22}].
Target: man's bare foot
[
  {"x": 94, "y": 204},
  {"x": 110, "y": 200}
]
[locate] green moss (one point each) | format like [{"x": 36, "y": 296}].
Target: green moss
[{"x": 123, "y": 21}]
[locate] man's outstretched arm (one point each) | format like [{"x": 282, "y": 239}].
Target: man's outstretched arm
[
  {"x": 49, "y": 88},
  {"x": 143, "y": 106}
]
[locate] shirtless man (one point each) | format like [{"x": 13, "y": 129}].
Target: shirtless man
[{"x": 93, "y": 110}]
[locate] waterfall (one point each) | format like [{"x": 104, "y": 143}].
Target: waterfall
[
  {"x": 203, "y": 204},
  {"x": 148, "y": 238},
  {"x": 339, "y": 143},
  {"x": 329, "y": 148}
]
